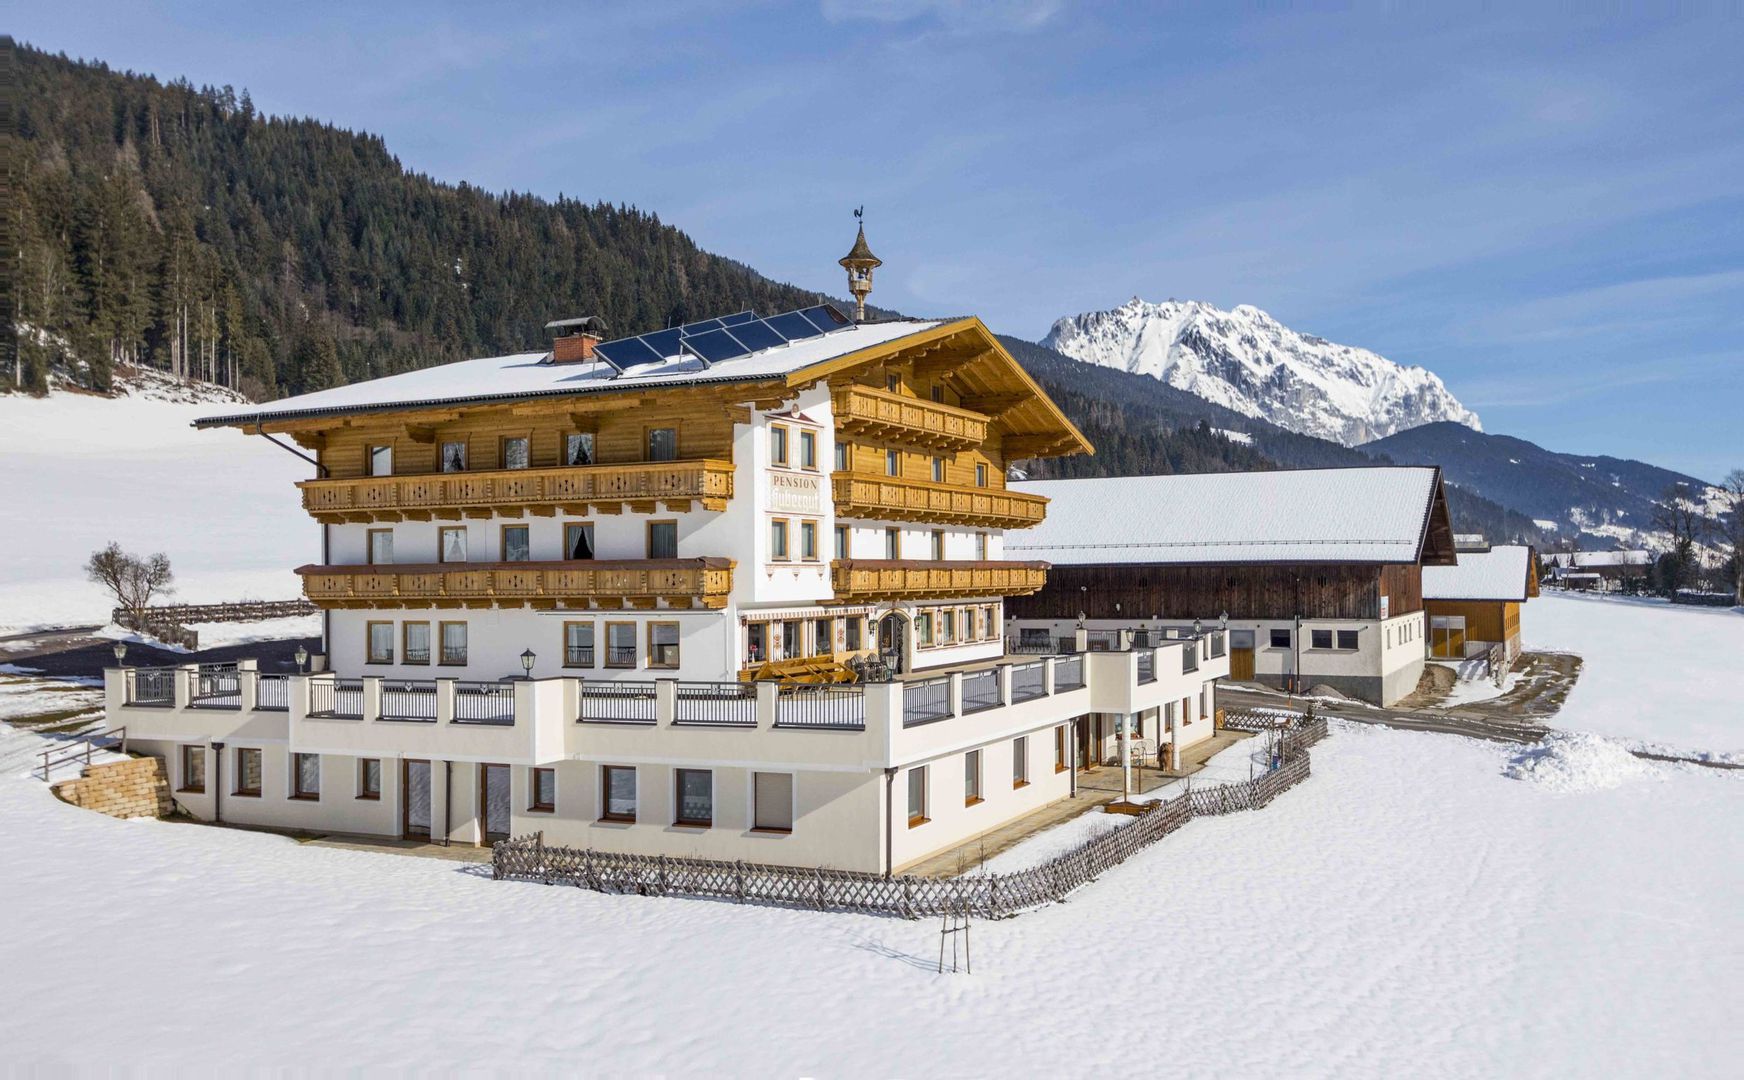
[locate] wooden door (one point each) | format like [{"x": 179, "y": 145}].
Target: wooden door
[
  {"x": 1241, "y": 665},
  {"x": 415, "y": 798}
]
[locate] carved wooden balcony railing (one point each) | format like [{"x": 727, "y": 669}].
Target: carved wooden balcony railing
[
  {"x": 510, "y": 492},
  {"x": 615, "y": 583},
  {"x": 885, "y": 498},
  {"x": 916, "y": 579},
  {"x": 878, "y": 414}
]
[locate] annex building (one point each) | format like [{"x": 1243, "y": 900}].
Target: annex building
[
  {"x": 1474, "y": 607},
  {"x": 1317, "y": 573}
]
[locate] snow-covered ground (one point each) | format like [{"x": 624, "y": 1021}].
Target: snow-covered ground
[
  {"x": 1425, "y": 905},
  {"x": 77, "y": 471},
  {"x": 225, "y": 635}
]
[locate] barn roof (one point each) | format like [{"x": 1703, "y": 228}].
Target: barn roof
[{"x": 1500, "y": 573}]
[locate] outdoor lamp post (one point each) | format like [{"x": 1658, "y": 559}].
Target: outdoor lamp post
[
  {"x": 120, "y": 654},
  {"x": 1198, "y": 628},
  {"x": 302, "y": 656},
  {"x": 1223, "y": 621},
  {"x": 527, "y": 659}
]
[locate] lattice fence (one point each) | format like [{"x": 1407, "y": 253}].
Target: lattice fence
[{"x": 987, "y": 896}]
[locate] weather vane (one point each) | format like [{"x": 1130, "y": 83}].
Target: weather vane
[{"x": 859, "y": 212}]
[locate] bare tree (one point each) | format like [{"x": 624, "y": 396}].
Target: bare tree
[
  {"x": 1732, "y": 529},
  {"x": 131, "y": 580},
  {"x": 1679, "y": 516}
]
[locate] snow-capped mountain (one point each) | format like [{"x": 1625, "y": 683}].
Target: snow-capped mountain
[{"x": 1247, "y": 361}]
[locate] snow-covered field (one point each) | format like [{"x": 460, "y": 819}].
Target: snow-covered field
[
  {"x": 77, "y": 471},
  {"x": 1424, "y": 905}
]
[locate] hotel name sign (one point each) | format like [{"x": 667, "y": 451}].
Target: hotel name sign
[{"x": 796, "y": 493}]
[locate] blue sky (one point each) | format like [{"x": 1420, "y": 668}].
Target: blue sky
[{"x": 1542, "y": 205}]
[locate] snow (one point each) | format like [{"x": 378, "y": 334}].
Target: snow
[
  {"x": 1473, "y": 687},
  {"x": 81, "y": 470},
  {"x": 1501, "y": 573},
  {"x": 226, "y": 634},
  {"x": 1372, "y": 514},
  {"x": 1545, "y": 523},
  {"x": 1242, "y": 437},
  {"x": 1570, "y": 762},
  {"x": 1247, "y": 361}
]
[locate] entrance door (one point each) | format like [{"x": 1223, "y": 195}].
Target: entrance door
[
  {"x": 892, "y": 641},
  {"x": 415, "y": 798},
  {"x": 1447, "y": 637},
  {"x": 1241, "y": 665},
  {"x": 1086, "y": 752},
  {"x": 493, "y": 801}
]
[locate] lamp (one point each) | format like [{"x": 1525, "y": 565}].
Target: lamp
[
  {"x": 1223, "y": 621},
  {"x": 120, "y": 653},
  {"x": 527, "y": 659},
  {"x": 302, "y": 656},
  {"x": 1198, "y": 628}
]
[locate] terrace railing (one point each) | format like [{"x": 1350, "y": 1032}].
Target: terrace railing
[
  {"x": 716, "y": 704},
  {"x": 981, "y": 691},
  {"x": 407, "y": 700},
  {"x": 821, "y": 706},
  {"x": 217, "y": 687},
  {"x": 484, "y": 703},
  {"x": 1147, "y": 666},
  {"x": 1028, "y": 681},
  {"x": 152, "y": 686},
  {"x": 925, "y": 701},
  {"x": 340, "y": 699},
  {"x": 618, "y": 703},
  {"x": 272, "y": 693},
  {"x": 1069, "y": 674},
  {"x": 1190, "y": 657}
]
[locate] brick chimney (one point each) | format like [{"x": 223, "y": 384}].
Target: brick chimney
[{"x": 573, "y": 339}]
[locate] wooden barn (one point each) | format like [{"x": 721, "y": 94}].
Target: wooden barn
[{"x": 1475, "y": 605}]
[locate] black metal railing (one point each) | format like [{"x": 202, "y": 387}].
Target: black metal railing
[
  {"x": 1031, "y": 646},
  {"x": 484, "y": 703},
  {"x": 417, "y": 656},
  {"x": 1190, "y": 657},
  {"x": 1217, "y": 646},
  {"x": 453, "y": 656},
  {"x": 1068, "y": 674},
  {"x": 1101, "y": 640},
  {"x": 408, "y": 701},
  {"x": 578, "y": 656},
  {"x": 925, "y": 701},
  {"x": 716, "y": 704},
  {"x": 981, "y": 691},
  {"x": 1028, "y": 681},
  {"x": 821, "y": 707},
  {"x": 621, "y": 656},
  {"x": 217, "y": 687},
  {"x": 152, "y": 686},
  {"x": 1147, "y": 666},
  {"x": 341, "y": 699},
  {"x": 273, "y": 693},
  {"x": 617, "y": 703}
]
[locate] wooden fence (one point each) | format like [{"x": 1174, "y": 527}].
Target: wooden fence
[
  {"x": 169, "y": 622},
  {"x": 987, "y": 896}
]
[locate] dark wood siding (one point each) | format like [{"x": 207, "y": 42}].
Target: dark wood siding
[{"x": 1341, "y": 591}]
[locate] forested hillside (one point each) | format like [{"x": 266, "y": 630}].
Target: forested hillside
[{"x": 176, "y": 226}]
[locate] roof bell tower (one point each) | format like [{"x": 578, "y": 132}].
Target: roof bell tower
[{"x": 859, "y": 263}]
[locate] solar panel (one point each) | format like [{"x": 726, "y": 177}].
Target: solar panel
[
  {"x": 664, "y": 342},
  {"x": 738, "y": 317},
  {"x": 625, "y": 353},
  {"x": 715, "y": 346},
  {"x": 756, "y": 335},
  {"x": 825, "y": 317},
  {"x": 703, "y": 327},
  {"x": 793, "y": 326}
]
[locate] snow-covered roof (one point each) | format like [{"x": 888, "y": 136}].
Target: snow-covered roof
[
  {"x": 522, "y": 375},
  {"x": 1501, "y": 573},
  {"x": 1612, "y": 558},
  {"x": 1368, "y": 515}
]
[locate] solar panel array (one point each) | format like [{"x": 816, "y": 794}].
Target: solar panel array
[{"x": 715, "y": 340}]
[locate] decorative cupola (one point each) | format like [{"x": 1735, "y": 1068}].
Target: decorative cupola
[
  {"x": 573, "y": 339},
  {"x": 860, "y": 262}
]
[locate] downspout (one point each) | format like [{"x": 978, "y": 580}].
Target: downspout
[
  {"x": 217, "y": 783},
  {"x": 889, "y": 823},
  {"x": 447, "y": 802}
]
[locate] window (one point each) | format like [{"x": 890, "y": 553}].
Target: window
[
  {"x": 823, "y": 636},
  {"x": 893, "y": 383},
  {"x": 938, "y": 545},
  {"x": 696, "y": 797},
  {"x": 514, "y": 451},
  {"x": 841, "y": 456},
  {"x": 756, "y": 642},
  {"x": 841, "y": 541},
  {"x": 808, "y": 449},
  {"x": 618, "y": 782},
  {"x": 381, "y": 642},
  {"x": 791, "y": 646},
  {"x": 542, "y": 791},
  {"x": 971, "y": 778},
  {"x": 923, "y": 628},
  {"x": 1280, "y": 638},
  {"x": 808, "y": 541},
  {"x": 415, "y": 642},
  {"x": 917, "y": 793},
  {"x": 992, "y": 621},
  {"x": 517, "y": 547},
  {"x": 777, "y": 444},
  {"x": 852, "y": 633},
  {"x": 772, "y": 802},
  {"x": 453, "y": 457},
  {"x": 578, "y": 448},
  {"x": 938, "y": 393},
  {"x": 578, "y": 540},
  {"x": 663, "y": 444},
  {"x": 247, "y": 771},
  {"x": 369, "y": 778},
  {"x": 379, "y": 461},
  {"x": 980, "y": 476},
  {"x": 892, "y": 463},
  {"x": 938, "y": 470},
  {"x": 947, "y": 626},
  {"x": 381, "y": 546},
  {"x": 305, "y": 776},
  {"x": 981, "y": 546},
  {"x": 662, "y": 644},
  {"x": 1347, "y": 639},
  {"x": 1062, "y": 747},
  {"x": 451, "y": 543},
  {"x": 778, "y": 539},
  {"x": 1020, "y": 762},
  {"x": 663, "y": 539},
  {"x": 578, "y": 644},
  {"x": 453, "y": 642},
  {"x": 1320, "y": 639},
  {"x": 620, "y": 645},
  {"x": 193, "y": 770},
  {"x": 893, "y": 543}
]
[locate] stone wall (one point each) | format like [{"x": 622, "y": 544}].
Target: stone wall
[{"x": 136, "y": 787}]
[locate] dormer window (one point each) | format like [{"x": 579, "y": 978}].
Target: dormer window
[{"x": 453, "y": 457}]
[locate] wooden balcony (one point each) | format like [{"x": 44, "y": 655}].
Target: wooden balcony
[
  {"x": 873, "y": 580},
  {"x": 615, "y": 583},
  {"x": 674, "y": 485},
  {"x": 878, "y": 414},
  {"x": 886, "y": 498}
]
